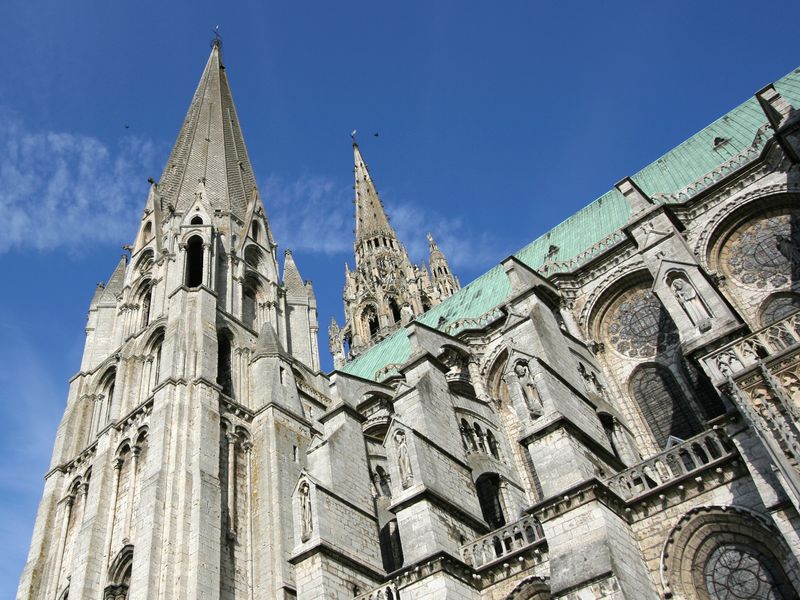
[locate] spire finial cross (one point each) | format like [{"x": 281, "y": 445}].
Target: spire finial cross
[{"x": 217, "y": 41}]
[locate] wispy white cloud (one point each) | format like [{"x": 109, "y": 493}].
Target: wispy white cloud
[
  {"x": 60, "y": 189},
  {"x": 311, "y": 213},
  {"x": 315, "y": 214}
]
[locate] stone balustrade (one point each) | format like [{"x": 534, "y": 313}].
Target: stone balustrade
[
  {"x": 737, "y": 356},
  {"x": 387, "y": 591},
  {"x": 692, "y": 456},
  {"x": 502, "y": 542}
]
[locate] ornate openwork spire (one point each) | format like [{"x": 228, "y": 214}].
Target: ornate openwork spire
[{"x": 371, "y": 219}]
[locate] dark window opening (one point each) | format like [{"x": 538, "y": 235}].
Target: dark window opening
[
  {"x": 663, "y": 404},
  {"x": 488, "y": 488},
  {"x": 255, "y": 231},
  {"x": 197, "y": 221},
  {"x": 394, "y": 309},
  {"x": 249, "y": 304},
  {"x": 224, "y": 373},
  {"x": 391, "y": 547},
  {"x": 194, "y": 262}
]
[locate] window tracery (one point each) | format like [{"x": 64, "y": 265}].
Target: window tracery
[
  {"x": 734, "y": 572},
  {"x": 638, "y": 326},
  {"x": 766, "y": 252}
]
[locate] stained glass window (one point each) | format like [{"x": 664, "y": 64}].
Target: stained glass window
[
  {"x": 663, "y": 404},
  {"x": 766, "y": 252},
  {"x": 734, "y": 572},
  {"x": 639, "y": 326}
]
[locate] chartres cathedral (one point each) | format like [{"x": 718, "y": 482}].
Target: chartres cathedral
[{"x": 611, "y": 412}]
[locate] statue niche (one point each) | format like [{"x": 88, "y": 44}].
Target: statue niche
[
  {"x": 524, "y": 394},
  {"x": 690, "y": 301}
]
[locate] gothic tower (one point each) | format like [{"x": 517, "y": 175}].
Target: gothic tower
[
  {"x": 186, "y": 407},
  {"x": 385, "y": 290}
]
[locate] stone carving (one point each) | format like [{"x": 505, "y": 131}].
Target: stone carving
[
  {"x": 403, "y": 460},
  {"x": 306, "y": 523},
  {"x": 691, "y": 303},
  {"x": 527, "y": 390},
  {"x": 791, "y": 383}
]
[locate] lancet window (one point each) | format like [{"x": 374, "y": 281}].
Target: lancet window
[
  {"x": 194, "y": 261},
  {"x": 663, "y": 404}
]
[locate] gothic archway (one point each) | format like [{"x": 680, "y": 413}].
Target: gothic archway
[{"x": 727, "y": 553}]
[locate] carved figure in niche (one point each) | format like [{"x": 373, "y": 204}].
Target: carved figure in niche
[
  {"x": 791, "y": 383},
  {"x": 406, "y": 314},
  {"x": 306, "y": 524},
  {"x": 590, "y": 380},
  {"x": 691, "y": 302},
  {"x": 761, "y": 398},
  {"x": 528, "y": 390},
  {"x": 403, "y": 460},
  {"x": 623, "y": 444}
]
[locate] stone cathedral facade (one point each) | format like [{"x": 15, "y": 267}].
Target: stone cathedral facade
[{"x": 612, "y": 412}]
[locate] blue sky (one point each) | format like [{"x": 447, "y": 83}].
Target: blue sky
[{"x": 496, "y": 121}]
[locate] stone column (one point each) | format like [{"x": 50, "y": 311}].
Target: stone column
[
  {"x": 131, "y": 494},
  {"x": 62, "y": 542},
  {"x": 232, "y": 437}
]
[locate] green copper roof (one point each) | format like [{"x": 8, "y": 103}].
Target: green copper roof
[{"x": 675, "y": 177}]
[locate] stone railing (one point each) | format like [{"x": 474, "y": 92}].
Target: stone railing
[
  {"x": 388, "y": 591},
  {"x": 739, "y": 355},
  {"x": 695, "y": 454},
  {"x": 502, "y": 542}
]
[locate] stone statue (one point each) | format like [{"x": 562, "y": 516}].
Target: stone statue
[
  {"x": 623, "y": 444},
  {"x": 528, "y": 390},
  {"x": 406, "y": 314},
  {"x": 690, "y": 301},
  {"x": 306, "y": 524},
  {"x": 403, "y": 460}
]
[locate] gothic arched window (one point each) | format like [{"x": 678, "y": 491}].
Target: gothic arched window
[
  {"x": 370, "y": 317},
  {"x": 663, "y": 404},
  {"x": 249, "y": 302},
  {"x": 395, "y": 310},
  {"x": 491, "y": 441},
  {"x": 224, "y": 371},
  {"x": 391, "y": 546},
  {"x": 488, "y": 488},
  {"x": 194, "y": 262}
]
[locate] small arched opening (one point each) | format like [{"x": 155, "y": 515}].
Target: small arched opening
[
  {"x": 370, "y": 317},
  {"x": 197, "y": 220},
  {"x": 224, "y": 371},
  {"x": 250, "y": 301},
  {"x": 394, "y": 309},
  {"x": 194, "y": 262},
  {"x": 391, "y": 546}
]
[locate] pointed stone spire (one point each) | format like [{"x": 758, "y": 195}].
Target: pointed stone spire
[
  {"x": 371, "y": 219},
  {"x": 210, "y": 149},
  {"x": 291, "y": 276},
  {"x": 268, "y": 342},
  {"x": 445, "y": 284},
  {"x": 116, "y": 282}
]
